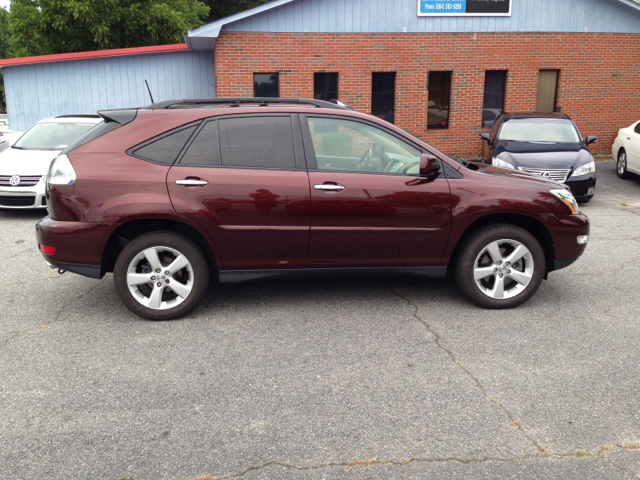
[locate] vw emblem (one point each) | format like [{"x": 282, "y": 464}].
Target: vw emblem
[
  {"x": 14, "y": 181},
  {"x": 545, "y": 174}
]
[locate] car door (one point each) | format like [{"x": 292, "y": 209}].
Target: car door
[
  {"x": 369, "y": 205},
  {"x": 238, "y": 178},
  {"x": 632, "y": 147}
]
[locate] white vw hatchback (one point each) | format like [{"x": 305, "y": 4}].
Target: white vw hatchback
[{"x": 24, "y": 165}]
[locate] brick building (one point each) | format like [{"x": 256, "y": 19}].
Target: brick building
[{"x": 441, "y": 76}]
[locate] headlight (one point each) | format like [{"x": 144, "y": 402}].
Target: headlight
[
  {"x": 61, "y": 172},
  {"x": 567, "y": 197},
  {"x": 584, "y": 169},
  {"x": 496, "y": 162}
]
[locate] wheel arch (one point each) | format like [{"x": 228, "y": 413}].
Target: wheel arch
[
  {"x": 530, "y": 224},
  {"x": 126, "y": 232}
]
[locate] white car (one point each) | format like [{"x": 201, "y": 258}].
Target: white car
[
  {"x": 8, "y": 138},
  {"x": 24, "y": 165},
  {"x": 626, "y": 151}
]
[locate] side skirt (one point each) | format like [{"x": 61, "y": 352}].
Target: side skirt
[{"x": 235, "y": 276}]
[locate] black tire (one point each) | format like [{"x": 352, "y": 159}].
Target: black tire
[
  {"x": 621, "y": 164},
  {"x": 193, "y": 277},
  {"x": 473, "y": 256}
]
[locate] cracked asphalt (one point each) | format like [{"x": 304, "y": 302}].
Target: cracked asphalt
[{"x": 382, "y": 378}]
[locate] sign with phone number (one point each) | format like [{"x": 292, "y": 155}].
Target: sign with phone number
[{"x": 486, "y": 8}]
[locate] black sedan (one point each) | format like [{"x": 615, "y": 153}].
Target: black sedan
[{"x": 544, "y": 144}]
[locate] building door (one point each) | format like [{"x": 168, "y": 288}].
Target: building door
[{"x": 547, "y": 91}]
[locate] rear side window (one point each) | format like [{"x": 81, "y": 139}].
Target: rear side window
[
  {"x": 260, "y": 142},
  {"x": 203, "y": 151},
  {"x": 165, "y": 148}
]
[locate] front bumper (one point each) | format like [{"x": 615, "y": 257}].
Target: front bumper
[
  {"x": 79, "y": 246},
  {"x": 582, "y": 187},
  {"x": 23, "y": 197},
  {"x": 565, "y": 231}
]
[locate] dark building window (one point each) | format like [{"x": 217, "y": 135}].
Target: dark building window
[
  {"x": 547, "y": 91},
  {"x": 495, "y": 83},
  {"x": 439, "y": 86},
  {"x": 383, "y": 94},
  {"x": 266, "y": 85},
  {"x": 325, "y": 86}
]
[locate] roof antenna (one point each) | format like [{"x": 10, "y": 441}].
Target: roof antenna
[{"x": 149, "y": 91}]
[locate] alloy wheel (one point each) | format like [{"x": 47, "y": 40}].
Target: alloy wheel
[
  {"x": 503, "y": 269},
  {"x": 160, "y": 278}
]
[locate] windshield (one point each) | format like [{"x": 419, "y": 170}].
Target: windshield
[
  {"x": 51, "y": 136},
  {"x": 539, "y": 130}
]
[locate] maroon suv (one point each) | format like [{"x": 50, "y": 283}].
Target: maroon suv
[{"x": 170, "y": 196}]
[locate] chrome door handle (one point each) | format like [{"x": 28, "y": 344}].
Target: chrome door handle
[
  {"x": 329, "y": 188},
  {"x": 192, "y": 183}
]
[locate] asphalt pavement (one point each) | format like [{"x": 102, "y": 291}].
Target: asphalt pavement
[{"x": 385, "y": 378}]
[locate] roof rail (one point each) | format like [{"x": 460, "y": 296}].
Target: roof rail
[{"x": 262, "y": 101}]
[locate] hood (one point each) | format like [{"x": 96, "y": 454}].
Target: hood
[
  {"x": 26, "y": 162},
  {"x": 516, "y": 175},
  {"x": 543, "y": 155}
]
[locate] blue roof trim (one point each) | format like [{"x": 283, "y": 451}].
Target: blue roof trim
[
  {"x": 632, "y": 3},
  {"x": 392, "y": 16},
  {"x": 212, "y": 30}
]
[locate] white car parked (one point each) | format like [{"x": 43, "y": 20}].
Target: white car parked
[
  {"x": 24, "y": 165},
  {"x": 8, "y": 138},
  {"x": 626, "y": 151}
]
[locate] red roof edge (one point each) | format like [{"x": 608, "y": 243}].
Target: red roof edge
[{"x": 61, "y": 57}]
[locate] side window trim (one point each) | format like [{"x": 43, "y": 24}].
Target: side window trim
[
  {"x": 298, "y": 144},
  {"x": 130, "y": 151}
]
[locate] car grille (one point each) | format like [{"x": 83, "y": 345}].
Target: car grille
[
  {"x": 26, "y": 181},
  {"x": 14, "y": 201},
  {"x": 559, "y": 175}
]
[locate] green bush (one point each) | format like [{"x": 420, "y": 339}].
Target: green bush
[{"x": 338, "y": 144}]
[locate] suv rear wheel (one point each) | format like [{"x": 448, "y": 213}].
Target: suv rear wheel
[
  {"x": 161, "y": 275},
  {"x": 500, "y": 266}
]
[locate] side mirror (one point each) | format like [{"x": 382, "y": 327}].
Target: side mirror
[
  {"x": 429, "y": 165},
  {"x": 485, "y": 137},
  {"x": 591, "y": 140}
]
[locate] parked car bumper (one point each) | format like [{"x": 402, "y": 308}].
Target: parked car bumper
[
  {"x": 582, "y": 187},
  {"x": 79, "y": 246},
  {"x": 23, "y": 197}
]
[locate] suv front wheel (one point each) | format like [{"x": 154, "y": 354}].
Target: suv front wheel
[
  {"x": 500, "y": 266},
  {"x": 161, "y": 275}
]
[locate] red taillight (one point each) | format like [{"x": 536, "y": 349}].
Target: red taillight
[{"x": 47, "y": 250}]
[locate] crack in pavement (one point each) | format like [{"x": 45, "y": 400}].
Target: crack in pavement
[
  {"x": 19, "y": 333},
  {"x": 514, "y": 422},
  {"x": 369, "y": 463},
  {"x": 374, "y": 461}
]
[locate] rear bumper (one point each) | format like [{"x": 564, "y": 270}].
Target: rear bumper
[{"x": 79, "y": 246}]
